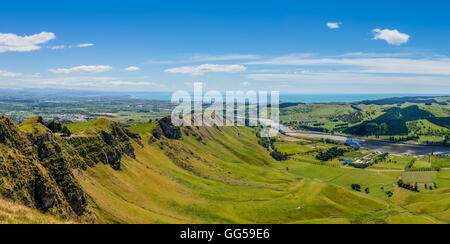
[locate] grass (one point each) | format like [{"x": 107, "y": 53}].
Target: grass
[
  {"x": 417, "y": 177},
  {"x": 89, "y": 127},
  {"x": 292, "y": 148},
  {"x": 142, "y": 128},
  {"x": 440, "y": 162},
  {"x": 232, "y": 180},
  {"x": 227, "y": 177},
  {"x": 13, "y": 213}
]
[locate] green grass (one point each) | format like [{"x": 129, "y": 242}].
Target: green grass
[
  {"x": 13, "y": 213},
  {"x": 417, "y": 177},
  {"x": 292, "y": 148},
  {"x": 142, "y": 128},
  {"x": 90, "y": 127},
  {"x": 440, "y": 161},
  {"x": 232, "y": 179}
]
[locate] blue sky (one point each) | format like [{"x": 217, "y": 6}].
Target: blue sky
[{"x": 290, "y": 46}]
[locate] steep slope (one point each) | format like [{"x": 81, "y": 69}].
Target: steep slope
[
  {"x": 23, "y": 178},
  {"x": 212, "y": 175},
  {"x": 36, "y": 166},
  {"x": 158, "y": 173},
  {"x": 14, "y": 213},
  {"x": 101, "y": 141}
]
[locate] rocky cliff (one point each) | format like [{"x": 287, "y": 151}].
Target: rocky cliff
[{"x": 36, "y": 165}]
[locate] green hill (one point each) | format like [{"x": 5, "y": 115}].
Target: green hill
[
  {"x": 157, "y": 173},
  {"x": 394, "y": 122}
]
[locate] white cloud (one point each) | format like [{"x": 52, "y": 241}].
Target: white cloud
[
  {"x": 393, "y": 37},
  {"x": 334, "y": 25},
  {"x": 132, "y": 68},
  {"x": 245, "y": 83},
  {"x": 376, "y": 55},
  {"x": 321, "y": 78},
  {"x": 87, "y": 83},
  {"x": 57, "y": 47},
  {"x": 4, "y": 73},
  {"x": 204, "y": 68},
  {"x": 408, "y": 66},
  {"x": 13, "y": 43},
  {"x": 227, "y": 57},
  {"x": 85, "y": 45},
  {"x": 82, "y": 69},
  {"x": 7, "y": 74}
]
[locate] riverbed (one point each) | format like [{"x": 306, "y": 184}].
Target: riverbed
[{"x": 378, "y": 146}]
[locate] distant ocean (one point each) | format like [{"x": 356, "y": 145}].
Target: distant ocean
[{"x": 304, "y": 98}]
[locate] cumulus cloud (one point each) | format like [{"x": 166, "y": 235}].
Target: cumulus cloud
[
  {"x": 334, "y": 25},
  {"x": 132, "y": 68},
  {"x": 13, "y": 43},
  {"x": 204, "y": 68},
  {"x": 85, "y": 45},
  {"x": 393, "y": 37},
  {"x": 82, "y": 69}
]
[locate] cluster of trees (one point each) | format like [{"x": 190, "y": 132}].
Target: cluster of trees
[
  {"x": 352, "y": 118},
  {"x": 268, "y": 143},
  {"x": 411, "y": 164},
  {"x": 329, "y": 154},
  {"x": 279, "y": 156},
  {"x": 57, "y": 127},
  {"x": 360, "y": 166},
  {"x": 408, "y": 186},
  {"x": 357, "y": 187},
  {"x": 403, "y": 138},
  {"x": 381, "y": 158}
]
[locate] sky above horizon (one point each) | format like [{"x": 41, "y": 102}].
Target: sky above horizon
[{"x": 288, "y": 46}]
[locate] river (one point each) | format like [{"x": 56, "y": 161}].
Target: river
[{"x": 372, "y": 145}]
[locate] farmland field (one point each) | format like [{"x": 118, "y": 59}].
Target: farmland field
[{"x": 417, "y": 177}]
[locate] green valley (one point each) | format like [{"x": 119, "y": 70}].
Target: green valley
[{"x": 158, "y": 173}]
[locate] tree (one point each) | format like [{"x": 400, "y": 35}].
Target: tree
[
  {"x": 389, "y": 194},
  {"x": 331, "y": 153},
  {"x": 54, "y": 126},
  {"x": 65, "y": 131},
  {"x": 279, "y": 156},
  {"x": 356, "y": 187}
]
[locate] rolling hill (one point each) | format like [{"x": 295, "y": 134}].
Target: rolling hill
[
  {"x": 394, "y": 122},
  {"x": 157, "y": 173}
]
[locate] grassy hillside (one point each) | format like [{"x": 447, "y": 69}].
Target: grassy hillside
[
  {"x": 157, "y": 173},
  {"x": 13, "y": 213},
  {"x": 222, "y": 175}
]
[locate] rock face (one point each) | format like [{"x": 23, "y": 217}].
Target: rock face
[
  {"x": 164, "y": 127},
  {"x": 24, "y": 177},
  {"x": 107, "y": 146},
  {"x": 36, "y": 166}
]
